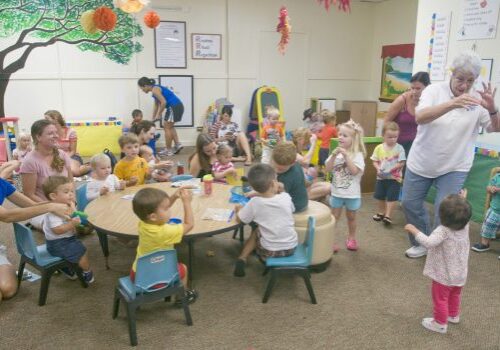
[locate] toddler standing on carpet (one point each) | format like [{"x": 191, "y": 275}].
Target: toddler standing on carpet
[
  {"x": 347, "y": 164},
  {"x": 447, "y": 260}
]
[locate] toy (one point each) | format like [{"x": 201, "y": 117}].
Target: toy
[{"x": 80, "y": 214}]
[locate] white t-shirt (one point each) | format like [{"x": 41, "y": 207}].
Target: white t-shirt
[
  {"x": 94, "y": 186},
  {"x": 275, "y": 219},
  {"x": 51, "y": 220},
  {"x": 344, "y": 184},
  {"x": 447, "y": 143}
]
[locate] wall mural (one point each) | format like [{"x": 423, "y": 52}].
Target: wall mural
[{"x": 90, "y": 25}]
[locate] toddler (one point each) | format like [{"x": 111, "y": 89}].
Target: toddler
[
  {"x": 327, "y": 132},
  {"x": 273, "y": 213},
  {"x": 223, "y": 166},
  {"x": 152, "y": 207},
  {"x": 161, "y": 171},
  {"x": 60, "y": 233},
  {"x": 23, "y": 147},
  {"x": 491, "y": 224},
  {"x": 389, "y": 160},
  {"x": 136, "y": 119},
  {"x": 313, "y": 120},
  {"x": 346, "y": 162},
  {"x": 131, "y": 168},
  {"x": 447, "y": 259},
  {"x": 271, "y": 133},
  {"x": 101, "y": 180}
]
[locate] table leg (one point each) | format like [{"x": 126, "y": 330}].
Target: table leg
[
  {"x": 190, "y": 263},
  {"x": 103, "y": 240}
]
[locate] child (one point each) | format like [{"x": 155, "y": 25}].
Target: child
[
  {"x": 347, "y": 164},
  {"x": 136, "y": 119},
  {"x": 161, "y": 171},
  {"x": 328, "y": 132},
  {"x": 491, "y": 224},
  {"x": 131, "y": 168},
  {"x": 60, "y": 233},
  {"x": 273, "y": 213},
  {"x": 313, "y": 120},
  {"x": 389, "y": 160},
  {"x": 447, "y": 259},
  {"x": 271, "y": 133},
  {"x": 223, "y": 166},
  {"x": 101, "y": 180},
  {"x": 290, "y": 174},
  {"x": 24, "y": 147},
  {"x": 152, "y": 206}
]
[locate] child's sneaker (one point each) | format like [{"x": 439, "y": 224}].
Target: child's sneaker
[
  {"x": 351, "y": 244},
  {"x": 479, "y": 247},
  {"x": 454, "y": 320},
  {"x": 239, "y": 268},
  {"x": 177, "y": 148},
  {"x": 88, "y": 276},
  {"x": 432, "y": 325},
  {"x": 69, "y": 273}
]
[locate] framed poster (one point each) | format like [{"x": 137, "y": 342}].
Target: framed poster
[
  {"x": 206, "y": 46},
  {"x": 397, "y": 66},
  {"x": 484, "y": 75},
  {"x": 170, "y": 45},
  {"x": 182, "y": 87}
]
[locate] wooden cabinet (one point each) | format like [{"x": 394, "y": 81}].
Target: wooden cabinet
[{"x": 364, "y": 113}]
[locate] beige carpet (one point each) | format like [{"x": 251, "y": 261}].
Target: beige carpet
[{"x": 371, "y": 299}]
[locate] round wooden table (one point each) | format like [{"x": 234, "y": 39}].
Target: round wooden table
[{"x": 113, "y": 215}]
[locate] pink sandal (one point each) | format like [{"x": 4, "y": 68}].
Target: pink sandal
[{"x": 351, "y": 244}]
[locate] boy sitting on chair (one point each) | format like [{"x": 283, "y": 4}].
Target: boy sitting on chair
[
  {"x": 272, "y": 212},
  {"x": 152, "y": 206}
]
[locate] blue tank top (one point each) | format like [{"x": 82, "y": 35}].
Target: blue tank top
[{"x": 169, "y": 96}]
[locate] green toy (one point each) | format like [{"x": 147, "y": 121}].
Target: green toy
[{"x": 80, "y": 214}]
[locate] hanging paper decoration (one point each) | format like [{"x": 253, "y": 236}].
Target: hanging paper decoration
[
  {"x": 151, "y": 19},
  {"x": 130, "y": 6},
  {"x": 104, "y": 18},
  {"x": 342, "y": 5},
  {"x": 87, "y": 22},
  {"x": 284, "y": 28}
]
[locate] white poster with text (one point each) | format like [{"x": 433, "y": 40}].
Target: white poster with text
[{"x": 479, "y": 19}]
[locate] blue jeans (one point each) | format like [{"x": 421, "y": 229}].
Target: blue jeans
[{"x": 415, "y": 191}]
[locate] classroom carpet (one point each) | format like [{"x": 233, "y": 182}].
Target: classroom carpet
[{"x": 374, "y": 298}]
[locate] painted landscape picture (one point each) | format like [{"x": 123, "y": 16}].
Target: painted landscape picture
[{"x": 396, "y": 75}]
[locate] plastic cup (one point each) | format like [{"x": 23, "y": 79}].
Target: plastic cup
[{"x": 174, "y": 221}]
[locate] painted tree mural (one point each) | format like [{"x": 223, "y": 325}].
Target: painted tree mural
[{"x": 30, "y": 24}]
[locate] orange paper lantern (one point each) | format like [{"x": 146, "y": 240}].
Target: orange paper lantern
[
  {"x": 129, "y": 6},
  {"x": 151, "y": 19},
  {"x": 105, "y": 18}
]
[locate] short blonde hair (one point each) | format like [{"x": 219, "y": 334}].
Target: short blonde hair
[
  {"x": 272, "y": 111},
  {"x": 285, "y": 153},
  {"x": 224, "y": 149},
  {"x": 99, "y": 158},
  {"x": 328, "y": 116},
  {"x": 128, "y": 139},
  {"x": 357, "y": 139},
  {"x": 390, "y": 126},
  {"x": 24, "y": 136},
  {"x": 301, "y": 133},
  {"x": 145, "y": 149}
]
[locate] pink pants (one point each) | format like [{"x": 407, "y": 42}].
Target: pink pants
[{"x": 446, "y": 301}]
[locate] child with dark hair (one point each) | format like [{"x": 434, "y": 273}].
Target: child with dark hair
[
  {"x": 447, "y": 259},
  {"x": 273, "y": 213}
]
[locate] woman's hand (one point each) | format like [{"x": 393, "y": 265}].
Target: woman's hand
[
  {"x": 488, "y": 97},
  {"x": 465, "y": 101},
  {"x": 61, "y": 210}
]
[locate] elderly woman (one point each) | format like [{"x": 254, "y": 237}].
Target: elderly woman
[
  {"x": 201, "y": 161},
  {"x": 228, "y": 131},
  {"x": 449, "y": 116}
]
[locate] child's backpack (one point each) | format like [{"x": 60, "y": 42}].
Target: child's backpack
[{"x": 111, "y": 157}]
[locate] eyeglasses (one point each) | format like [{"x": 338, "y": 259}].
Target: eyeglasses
[{"x": 462, "y": 80}]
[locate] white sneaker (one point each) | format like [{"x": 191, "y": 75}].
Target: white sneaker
[
  {"x": 416, "y": 252},
  {"x": 432, "y": 325},
  {"x": 454, "y": 320}
]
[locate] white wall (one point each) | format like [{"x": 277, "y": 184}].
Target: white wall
[{"x": 334, "y": 54}]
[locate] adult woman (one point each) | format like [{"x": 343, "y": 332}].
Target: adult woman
[
  {"x": 165, "y": 100},
  {"x": 200, "y": 162},
  {"x": 402, "y": 110},
  {"x": 44, "y": 160},
  {"x": 449, "y": 116},
  {"x": 224, "y": 130},
  {"x": 28, "y": 209},
  {"x": 67, "y": 142},
  {"x": 145, "y": 131}
]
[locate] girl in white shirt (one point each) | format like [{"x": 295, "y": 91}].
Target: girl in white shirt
[
  {"x": 102, "y": 181},
  {"x": 347, "y": 163}
]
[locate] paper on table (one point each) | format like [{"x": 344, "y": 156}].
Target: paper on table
[
  {"x": 236, "y": 181},
  {"x": 216, "y": 214},
  {"x": 128, "y": 197}
]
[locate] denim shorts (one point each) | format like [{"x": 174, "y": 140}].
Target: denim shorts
[
  {"x": 351, "y": 204},
  {"x": 68, "y": 248},
  {"x": 387, "y": 190}
]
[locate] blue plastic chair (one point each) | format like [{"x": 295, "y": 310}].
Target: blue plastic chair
[
  {"x": 82, "y": 201},
  {"x": 39, "y": 258},
  {"x": 156, "y": 278},
  {"x": 298, "y": 263}
]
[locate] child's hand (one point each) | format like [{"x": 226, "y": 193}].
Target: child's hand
[
  {"x": 164, "y": 164},
  {"x": 133, "y": 180},
  {"x": 313, "y": 140},
  {"x": 492, "y": 189},
  {"x": 280, "y": 187},
  {"x": 231, "y": 171},
  {"x": 185, "y": 195},
  {"x": 412, "y": 229},
  {"x": 103, "y": 190},
  {"x": 122, "y": 184},
  {"x": 76, "y": 221},
  {"x": 237, "y": 208},
  {"x": 463, "y": 193}
]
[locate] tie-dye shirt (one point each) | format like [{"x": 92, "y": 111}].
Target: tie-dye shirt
[{"x": 388, "y": 159}]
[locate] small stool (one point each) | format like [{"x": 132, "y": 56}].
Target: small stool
[{"x": 324, "y": 233}]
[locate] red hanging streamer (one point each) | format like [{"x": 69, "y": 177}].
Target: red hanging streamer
[
  {"x": 284, "y": 28},
  {"x": 342, "y": 5}
]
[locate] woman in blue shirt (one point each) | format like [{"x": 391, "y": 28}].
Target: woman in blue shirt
[{"x": 165, "y": 100}]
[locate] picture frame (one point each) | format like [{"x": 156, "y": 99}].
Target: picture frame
[
  {"x": 395, "y": 81},
  {"x": 206, "y": 46},
  {"x": 182, "y": 87},
  {"x": 170, "y": 45},
  {"x": 484, "y": 74}
]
